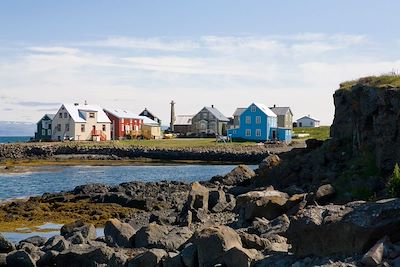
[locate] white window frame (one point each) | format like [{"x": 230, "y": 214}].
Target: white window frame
[
  {"x": 248, "y": 132},
  {"x": 67, "y": 127},
  {"x": 248, "y": 119},
  {"x": 258, "y": 132},
  {"x": 43, "y": 131},
  {"x": 253, "y": 108},
  {"x": 258, "y": 119}
]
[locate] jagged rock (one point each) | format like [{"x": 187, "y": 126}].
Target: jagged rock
[
  {"x": 3, "y": 262},
  {"x": 189, "y": 255},
  {"x": 374, "y": 255},
  {"x": 352, "y": 228},
  {"x": 173, "y": 260},
  {"x": 218, "y": 201},
  {"x": 268, "y": 204},
  {"x": 198, "y": 197},
  {"x": 252, "y": 241},
  {"x": 324, "y": 193},
  {"x": 76, "y": 238},
  {"x": 264, "y": 227},
  {"x": 118, "y": 234},
  {"x": 33, "y": 251},
  {"x": 38, "y": 241},
  {"x": 118, "y": 259},
  {"x": 162, "y": 236},
  {"x": 151, "y": 258},
  {"x": 268, "y": 163},
  {"x": 20, "y": 258},
  {"x": 213, "y": 242},
  {"x": 277, "y": 243},
  {"x": 242, "y": 174},
  {"x": 239, "y": 257},
  {"x": 91, "y": 189},
  {"x": 57, "y": 243},
  {"x": 5, "y": 245},
  {"x": 79, "y": 255},
  {"x": 87, "y": 230},
  {"x": 124, "y": 200},
  {"x": 48, "y": 259},
  {"x": 200, "y": 215}
]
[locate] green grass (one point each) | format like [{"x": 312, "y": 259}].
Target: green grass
[
  {"x": 320, "y": 133},
  {"x": 374, "y": 81}
]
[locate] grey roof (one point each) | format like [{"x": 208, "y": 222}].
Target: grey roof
[
  {"x": 122, "y": 113},
  {"x": 217, "y": 113},
  {"x": 183, "y": 120},
  {"x": 307, "y": 117},
  {"x": 281, "y": 110},
  {"x": 239, "y": 111}
]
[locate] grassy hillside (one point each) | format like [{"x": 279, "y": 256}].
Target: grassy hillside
[
  {"x": 320, "y": 133},
  {"x": 374, "y": 81}
]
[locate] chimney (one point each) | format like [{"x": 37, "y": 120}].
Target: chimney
[
  {"x": 76, "y": 104},
  {"x": 85, "y": 102},
  {"x": 274, "y": 106},
  {"x": 212, "y": 106}
]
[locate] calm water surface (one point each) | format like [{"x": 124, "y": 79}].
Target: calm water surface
[
  {"x": 14, "y": 139},
  {"x": 56, "y": 179}
]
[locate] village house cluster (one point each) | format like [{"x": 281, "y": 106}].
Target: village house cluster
[{"x": 83, "y": 122}]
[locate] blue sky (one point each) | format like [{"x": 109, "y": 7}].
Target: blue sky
[{"x": 136, "y": 54}]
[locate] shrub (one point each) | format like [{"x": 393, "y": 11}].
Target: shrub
[{"x": 394, "y": 182}]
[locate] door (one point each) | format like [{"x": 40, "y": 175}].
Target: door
[{"x": 273, "y": 135}]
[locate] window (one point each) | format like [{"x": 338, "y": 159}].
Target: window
[
  {"x": 91, "y": 115},
  {"x": 60, "y": 115},
  {"x": 67, "y": 127},
  {"x": 204, "y": 115},
  {"x": 49, "y": 131},
  {"x": 248, "y": 120},
  {"x": 248, "y": 132},
  {"x": 258, "y": 132},
  {"x": 43, "y": 132},
  {"x": 58, "y": 127},
  {"x": 253, "y": 108},
  {"x": 104, "y": 127},
  {"x": 82, "y": 128},
  {"x": 258, "y": 119},
  {"x": 65, "y": 115},
  {"x": 122, "y": 120}
]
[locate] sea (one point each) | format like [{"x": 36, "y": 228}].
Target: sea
[{"x": 14, "y": 139}]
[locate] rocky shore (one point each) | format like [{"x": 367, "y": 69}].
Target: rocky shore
[
  {"x": 110, "y": 151},
  {"x": 324, "y": 205}
]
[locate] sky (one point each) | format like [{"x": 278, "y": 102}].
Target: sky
[{"x": 226, "y": 53}]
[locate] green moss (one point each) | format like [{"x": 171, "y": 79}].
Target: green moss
[
  {"x": 386, "y": 80},
  {"x": 359, "y": 179},
  {"x": 394, "y": 182}
]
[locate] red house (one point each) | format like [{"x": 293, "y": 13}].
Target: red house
[{"x": 124, "y": 124}]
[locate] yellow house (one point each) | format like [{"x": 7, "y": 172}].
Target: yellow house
[{"x": 150, "y": 129}]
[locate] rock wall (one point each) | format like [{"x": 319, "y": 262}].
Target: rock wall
[
  {"x": 253, "y": 154},
  {"x": 369, "y": 118}
]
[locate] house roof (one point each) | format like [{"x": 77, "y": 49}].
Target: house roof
[
  {"x": 217, "y": 113},
  {"x": 122, "y": 113},
  {"x": 280, "y": 110},
  {"x": 183, "y": 120},
  {"x": 77, "y": 112},
  {"x": 148, "y": 121},
  {"x": 307, "y": 117},
  {"x": 239, "y": 111},
  {"x": 50, "y": 116},
  {"x": 265, "y": 109},
  {"x": 148, "y": 112}
]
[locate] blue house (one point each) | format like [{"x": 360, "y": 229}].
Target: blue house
[{"x": 259, "y": 123}]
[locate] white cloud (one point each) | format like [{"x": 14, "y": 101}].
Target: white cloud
[{"x": 298, "y": 70}]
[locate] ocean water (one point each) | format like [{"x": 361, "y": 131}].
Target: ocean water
[
  {"x": 56, "y": 179},
  {"x": 14, "y": 139}
]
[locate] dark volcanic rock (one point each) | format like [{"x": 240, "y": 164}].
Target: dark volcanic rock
[
  {"x": 91, "y": 189},
  {"x": 35, "y": 240},
  {"x": 87, "y": 230},
  {"x": 352, "y": 228},
  {"x": 151, "y": 258},
  {"x": 78, "y": 256},
  {"x": 242, "y": 174},
  {"x": 118, "y": 234},
  {"x": 20, "y": 258},
  {"x": 5, "y": 245}
]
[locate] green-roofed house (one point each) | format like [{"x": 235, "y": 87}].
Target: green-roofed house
[{"x": 43, "y": 128}]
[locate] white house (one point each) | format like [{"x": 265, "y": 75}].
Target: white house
[
  {"x": 307, "y": 121},
  {"x": 81, "y": 123}
]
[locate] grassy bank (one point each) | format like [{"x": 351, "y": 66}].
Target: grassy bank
[{"x": 320, "y": 133}]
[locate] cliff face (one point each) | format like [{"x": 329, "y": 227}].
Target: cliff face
[{"x": 369, "y": 118}]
